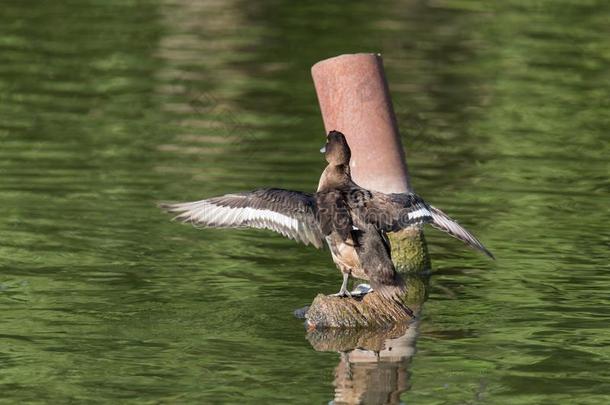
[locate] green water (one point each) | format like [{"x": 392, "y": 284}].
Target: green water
[{"x": 107, "y": 107}]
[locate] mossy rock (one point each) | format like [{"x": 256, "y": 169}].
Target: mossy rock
[{"x": 373, "y": 311}]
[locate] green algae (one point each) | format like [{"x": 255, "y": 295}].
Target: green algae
[{"x": 410, "y": 251}]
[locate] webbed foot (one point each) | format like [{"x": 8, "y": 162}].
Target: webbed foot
[{"x": 342, "y": 293}]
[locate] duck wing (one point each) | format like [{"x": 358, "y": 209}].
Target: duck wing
[
  {"x": 392, "y": 212},
  {"x": 290, "y": 213},
  {"x": 443, "y": 222},
  {"x": 388, "y": 212}
]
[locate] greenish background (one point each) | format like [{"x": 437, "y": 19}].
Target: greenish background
[{"x": 107, "y": 107}]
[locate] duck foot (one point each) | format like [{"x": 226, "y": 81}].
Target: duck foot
[
  {"x": 343, "y": 290},
  {"x": 342, "y": 293}
]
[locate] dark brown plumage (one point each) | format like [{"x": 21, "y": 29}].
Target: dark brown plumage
[{"x": 375, "y": 255}]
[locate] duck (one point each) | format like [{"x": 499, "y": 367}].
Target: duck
[{"x": 337, "y": 214}]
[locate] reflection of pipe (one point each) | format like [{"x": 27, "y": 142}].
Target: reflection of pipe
[
  {"x": 365, "y": 377},
  {"x": 373, "y": 365}
]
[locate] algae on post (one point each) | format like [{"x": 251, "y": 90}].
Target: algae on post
[{"x": 409, "y": 251}]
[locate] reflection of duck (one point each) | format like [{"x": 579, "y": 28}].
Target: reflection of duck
[
  {"x": 373, "y": 365},
  {"x": 334, "y": 214}
]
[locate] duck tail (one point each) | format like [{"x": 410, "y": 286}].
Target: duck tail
[
  {"x": 390, "y": 292},
  {"x": 395, "y": 291},
  {"x": 442, "y": 221}
]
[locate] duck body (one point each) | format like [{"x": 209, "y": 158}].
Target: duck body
[
  {"x": 348, "y": 216},
  {"x": 336, "y": 223},
  {"x": 351, "y": 220}
]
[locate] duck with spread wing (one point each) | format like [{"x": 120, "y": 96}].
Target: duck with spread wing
[{"x": 337, "y": 214}]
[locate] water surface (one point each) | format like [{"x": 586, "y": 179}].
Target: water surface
[{"x": 107, "y": 107}]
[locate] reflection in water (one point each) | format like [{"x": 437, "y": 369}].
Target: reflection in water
[
  {"x": 109, "y": 106},
  {"x": 373, "y": 364},
  {"x": 198, "y": 94}
]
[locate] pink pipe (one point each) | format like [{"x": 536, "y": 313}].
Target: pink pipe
[{"x": 355, "y": 99}]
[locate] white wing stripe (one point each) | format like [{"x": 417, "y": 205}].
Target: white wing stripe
[
  {"x": 205, "y": 213},
  {"x": 420, "y": 213}
]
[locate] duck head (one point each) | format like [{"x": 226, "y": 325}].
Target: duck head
[{"x": 336, "y": 151}]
